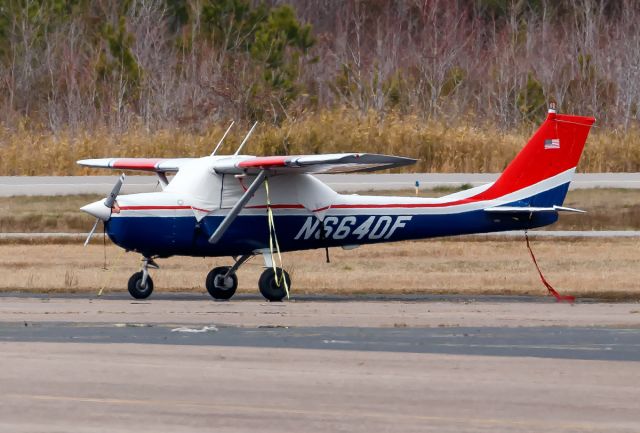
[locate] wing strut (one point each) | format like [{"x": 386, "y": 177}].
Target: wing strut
[{"x": 226, "y": 222}]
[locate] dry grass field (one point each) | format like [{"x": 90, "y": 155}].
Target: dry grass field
[
  {"x": 59, "y": 214},
  {"x": 601, "y": 268},
  {"x": 439, "y": 146}
]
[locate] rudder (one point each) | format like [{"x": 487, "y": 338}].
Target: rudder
[{"x": 551, "y": 155}]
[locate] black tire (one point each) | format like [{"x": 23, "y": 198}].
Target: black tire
[
  {"x": 135, "y": 286},
  {"x": 269, "y": 287},
  {"x": 225, "y": 291}
]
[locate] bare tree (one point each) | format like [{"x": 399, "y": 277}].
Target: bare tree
[{"x": 441, "y": 43}]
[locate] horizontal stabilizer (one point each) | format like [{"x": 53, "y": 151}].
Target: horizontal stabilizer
[{"x": 531, "y": 209}]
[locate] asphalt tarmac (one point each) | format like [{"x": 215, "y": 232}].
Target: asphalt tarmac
[
  {"x": 542, "y": 342},
  {"x": 181, "y": 362}
]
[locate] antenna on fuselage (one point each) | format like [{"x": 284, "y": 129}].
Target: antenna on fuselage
[
  {"x": 245, "y": 138},
  {"x": 223, "y": 137}
]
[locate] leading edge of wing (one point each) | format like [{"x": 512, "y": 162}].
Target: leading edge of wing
[
  {"x": 140, "y": 164},
  {"x": 329, "y": 163}
]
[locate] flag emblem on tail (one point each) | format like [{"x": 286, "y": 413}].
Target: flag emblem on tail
[{"x": 552, "y": 143}]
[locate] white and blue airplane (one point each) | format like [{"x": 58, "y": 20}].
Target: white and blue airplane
[{"x": 241, "y": 206}]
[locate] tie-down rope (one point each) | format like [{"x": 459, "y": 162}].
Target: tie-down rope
[
  {"x": 560, "y": 298},
  {"x": 273, "y": 241}
]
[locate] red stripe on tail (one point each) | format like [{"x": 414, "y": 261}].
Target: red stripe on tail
[{"x": 554, "y": 148}]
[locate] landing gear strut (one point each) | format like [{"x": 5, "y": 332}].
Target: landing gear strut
[{"x": 140, "y": 284}]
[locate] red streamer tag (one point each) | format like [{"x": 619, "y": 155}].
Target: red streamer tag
[{"x": 560, "y": 298}]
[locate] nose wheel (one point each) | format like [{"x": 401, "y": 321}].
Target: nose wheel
[
  {"x": 140, "y": 284},
  {"x": 138, "y": 287}
]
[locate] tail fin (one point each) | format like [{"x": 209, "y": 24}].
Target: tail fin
[{"x": 549, "y": 159}]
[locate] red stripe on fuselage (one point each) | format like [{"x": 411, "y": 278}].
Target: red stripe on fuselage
[
  {"x": 287, "y": 206},
  {"x": 400, "y": 205},
  {"x": 277, "y": 206},
  {"x": 299, "y": 206},
  {"x": 155, "y": 208},
  {"x": 273, "y": 206}
]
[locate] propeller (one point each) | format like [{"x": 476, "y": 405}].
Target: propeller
[{"x": 101, "y": 209}]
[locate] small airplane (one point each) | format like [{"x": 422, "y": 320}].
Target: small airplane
[{"x": 232, "y": 205}]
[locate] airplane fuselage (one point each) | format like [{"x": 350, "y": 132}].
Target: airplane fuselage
[{"x": 156, "y": 227}]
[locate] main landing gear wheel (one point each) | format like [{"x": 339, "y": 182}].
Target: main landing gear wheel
[
  {"x": 136, "y": 287},
  {"x": 220, "y": 287},
  {"x": 269, "y": 286}
]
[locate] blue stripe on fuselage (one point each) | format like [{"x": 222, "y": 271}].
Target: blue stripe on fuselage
[{"x": 167, "y": 236}]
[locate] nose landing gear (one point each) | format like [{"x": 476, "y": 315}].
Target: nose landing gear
[{"x": 140, "y": 284}]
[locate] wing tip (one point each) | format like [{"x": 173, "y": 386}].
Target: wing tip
[
  {"x": 408, "y": 161},
  {"x": 92, "y": 162}
]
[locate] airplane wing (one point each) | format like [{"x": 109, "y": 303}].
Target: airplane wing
[
  {"x": 317, "y": 164},
  {"x": 158, "y": 165}
]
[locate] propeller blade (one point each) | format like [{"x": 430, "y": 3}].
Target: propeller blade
[
  {"x": 93, "y": 230},
  {"x": 102, "y": 213},
  {"x": 114, "y": 192}
]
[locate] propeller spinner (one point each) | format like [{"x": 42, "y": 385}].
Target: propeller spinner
[{"x": 102, "y": 209}]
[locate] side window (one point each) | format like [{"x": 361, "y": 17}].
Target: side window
[{"x": 232, "y": 190}]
